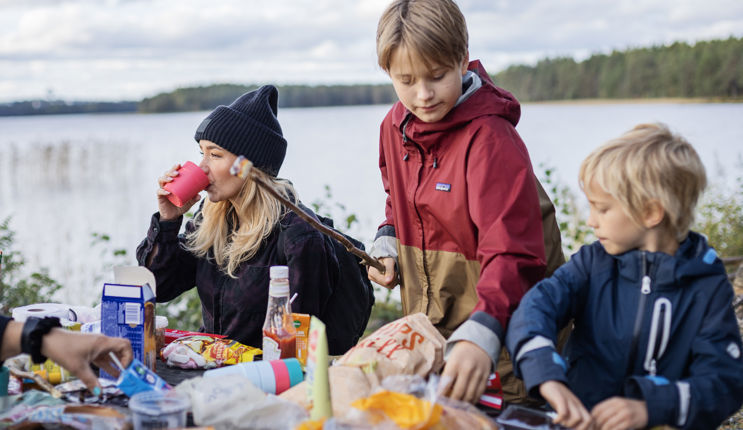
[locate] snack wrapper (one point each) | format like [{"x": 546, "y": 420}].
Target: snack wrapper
[{"x": 207, "y": 352}]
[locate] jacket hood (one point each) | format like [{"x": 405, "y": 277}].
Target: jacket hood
[
  {"x": 694, "y": 258},
  {"x": 488, "y": 100}
]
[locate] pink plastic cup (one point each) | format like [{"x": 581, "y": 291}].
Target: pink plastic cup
[{"x": 189, "y": 182}]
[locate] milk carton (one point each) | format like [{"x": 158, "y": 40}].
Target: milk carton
[{"x": 128, "y": 311}]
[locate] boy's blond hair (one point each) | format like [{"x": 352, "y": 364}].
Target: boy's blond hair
[
  {"x": 649, "y": 163},
  {"x": 433, "y": 30}
]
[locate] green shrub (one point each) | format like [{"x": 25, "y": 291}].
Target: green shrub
[{"x": 17, "y": 289}]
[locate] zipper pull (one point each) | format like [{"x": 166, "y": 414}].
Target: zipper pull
[
  {"x": 653, "y": 368},
  {"x": 645, "y": 285},
  {"x": 435, "y": 162}
]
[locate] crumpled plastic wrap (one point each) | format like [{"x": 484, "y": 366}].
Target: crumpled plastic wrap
[{"x": 229, "y": 402}]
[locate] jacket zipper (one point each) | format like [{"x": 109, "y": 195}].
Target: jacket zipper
[
  {"x": 645, "y": 291},
  {"x": 417, "y": 213}
]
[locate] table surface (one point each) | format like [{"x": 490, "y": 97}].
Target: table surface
[{"x": 175, "y": 375}]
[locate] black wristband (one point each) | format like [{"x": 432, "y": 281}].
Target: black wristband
[{"x": 33, "y": 331}]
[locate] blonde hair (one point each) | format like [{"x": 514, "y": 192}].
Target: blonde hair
[
  {"x": 649, "y": 163},
  {"x": 433, "y": 30},
  {"x": 234, "y": 234}
]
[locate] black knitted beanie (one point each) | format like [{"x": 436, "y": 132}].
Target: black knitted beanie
[{"x": 249, "y": 127}]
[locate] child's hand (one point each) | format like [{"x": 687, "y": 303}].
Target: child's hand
[
  {"x": 467, "y": 368},
  {"x": 389, "y": 279},
  {"x": 570, "y": 411},
  {"x": 620, "y": 413},
  {"x": 169, "y": 211}
]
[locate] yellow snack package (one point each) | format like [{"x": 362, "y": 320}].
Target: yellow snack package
[{"x": 226, "y": 351}]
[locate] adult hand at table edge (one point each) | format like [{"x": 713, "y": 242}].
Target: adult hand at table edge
[
  {"x": 389, "y": 279},
  {"x": 75, "y": 351},
  {"x": 467, "y": 370}
]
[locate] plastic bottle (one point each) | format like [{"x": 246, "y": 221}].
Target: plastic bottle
[{"x": 279, "y": 334}]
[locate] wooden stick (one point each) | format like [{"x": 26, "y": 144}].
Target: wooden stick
[{"x": 243, "y": 169}]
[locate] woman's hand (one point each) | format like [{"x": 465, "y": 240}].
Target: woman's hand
[
  {"x": 75, "y": 351},
  {"x": 169, "y": 211},
  {"x": 467, "y": 370},
  {"x": 620, "y": 413},
  {"x": 570, "y": 410},
  {"x": 390, "y": 278}
]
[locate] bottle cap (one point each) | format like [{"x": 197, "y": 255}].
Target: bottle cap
[{"x": 277, "y": 272}]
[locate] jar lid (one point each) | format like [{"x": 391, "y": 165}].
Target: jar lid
[
  {"x": 157, "y": 403},
  {"x": 277, "y": 272}
]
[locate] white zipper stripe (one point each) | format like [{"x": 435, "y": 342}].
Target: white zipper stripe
[{"x": 662, "y": 302}]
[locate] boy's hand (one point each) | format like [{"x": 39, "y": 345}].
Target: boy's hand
[
  {"x": 389, "y": 279},
  {"x": 620, "y": 413},
  {"x": 467, "y": 369},
  {"x": 570, "y": 411}
]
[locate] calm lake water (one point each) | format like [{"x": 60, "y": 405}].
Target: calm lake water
[{"x": 64, "y": 178}]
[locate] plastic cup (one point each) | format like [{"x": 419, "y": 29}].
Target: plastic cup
[
  {"x": 158, "y": 410},
  {"x": 189, "y": 182}
]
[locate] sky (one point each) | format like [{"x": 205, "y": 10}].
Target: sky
[{"x": 111, "y": 50}]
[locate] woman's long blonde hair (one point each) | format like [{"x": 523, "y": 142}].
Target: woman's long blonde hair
[{"x": 235, "y": 233}]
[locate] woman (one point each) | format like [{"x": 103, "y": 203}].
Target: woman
[{"x": 240, "y": 231}]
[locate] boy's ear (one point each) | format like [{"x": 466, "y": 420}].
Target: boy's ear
[
  {"x": 465, "y": 62},
  {"x": 653, "y": 214}
]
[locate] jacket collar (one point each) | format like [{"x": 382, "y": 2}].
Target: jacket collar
[{"x": 693, "y": 258}]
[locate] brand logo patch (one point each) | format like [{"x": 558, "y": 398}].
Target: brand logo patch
[
  {"x": 734, "y": 350},
  {"x": 441, "y": 186},
  {"x": 203, "y": 125}
]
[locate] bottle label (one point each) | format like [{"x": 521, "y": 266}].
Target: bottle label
[{"x": 271, "y": 349}]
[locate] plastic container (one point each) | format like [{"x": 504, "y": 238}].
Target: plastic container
[
  {"x": 273, "y": 377},
  {"x": 279, "y": 334},
  {"x": 158, "y": 410}
]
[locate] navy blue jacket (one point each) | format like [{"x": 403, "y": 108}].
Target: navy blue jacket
[
  {"x": 648, "y": 326},
  {"x": 236, "y": 307}
]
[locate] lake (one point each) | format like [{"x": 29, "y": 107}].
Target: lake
[{"x": 64, "y": 178}]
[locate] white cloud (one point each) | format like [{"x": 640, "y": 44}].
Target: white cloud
[{"x": 128, "y": 49}]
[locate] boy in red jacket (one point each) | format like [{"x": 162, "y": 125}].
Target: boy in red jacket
[{"x": 463, "y": 221}]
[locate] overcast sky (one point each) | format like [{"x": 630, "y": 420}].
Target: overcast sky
[{"x": 129, "y": 49}]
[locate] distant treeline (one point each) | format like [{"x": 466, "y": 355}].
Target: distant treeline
[
  {"x": 712, "y": 69},
  {"x": 43, "y": 107},
  {"x": 206, "y": 98}
]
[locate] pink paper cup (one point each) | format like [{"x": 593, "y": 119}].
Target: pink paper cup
[{"x": 189, "y": 182}]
